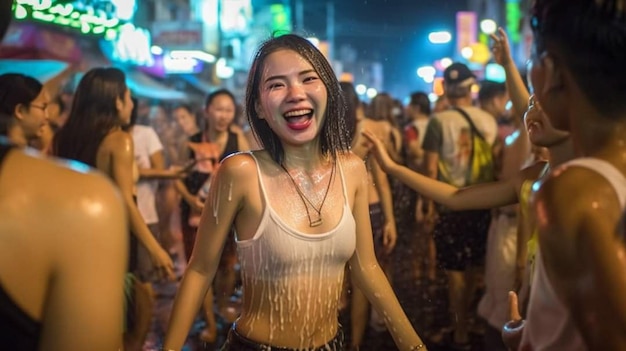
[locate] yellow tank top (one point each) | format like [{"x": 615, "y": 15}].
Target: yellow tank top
[{"x": 533, "y": 242}]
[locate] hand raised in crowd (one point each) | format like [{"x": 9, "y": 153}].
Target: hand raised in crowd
[{"x": 500, "y": 48}]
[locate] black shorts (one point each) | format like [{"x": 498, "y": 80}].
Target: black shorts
[
  {"x": 237, "y": 342},
  {"x": 461, "y": 239}
]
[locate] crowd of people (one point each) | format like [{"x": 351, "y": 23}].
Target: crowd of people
[{"x": 284, "y": 210}]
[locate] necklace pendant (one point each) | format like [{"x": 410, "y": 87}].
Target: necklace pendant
[{"x": 316, "y": 223}]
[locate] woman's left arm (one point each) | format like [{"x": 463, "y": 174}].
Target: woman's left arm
[{"x": 364, "y": 267}]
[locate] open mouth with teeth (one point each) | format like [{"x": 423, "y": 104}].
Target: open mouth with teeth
[{"x": 299, "y": 119}]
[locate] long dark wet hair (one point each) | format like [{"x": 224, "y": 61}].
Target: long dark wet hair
[
  {"x": 352, "y": 104},
  {"x": 334, "y": 137},
  {"x": 590, "y": 36},
  {"x": 93, "y": 115}
]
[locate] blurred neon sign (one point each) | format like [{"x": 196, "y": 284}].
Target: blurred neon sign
[
  {"x": 133, "y": 45},
  {"x": 281, "y": 18},
  {"x": 513, "y": 18},
  {"x": 88, "y": 21}
]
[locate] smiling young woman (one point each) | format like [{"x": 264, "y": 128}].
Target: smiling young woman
[{"x": 300, "y": 210}]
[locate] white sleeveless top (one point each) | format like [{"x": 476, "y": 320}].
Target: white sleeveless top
[
  {"x": 299, "y": 274},
  {"x": 549, "y": 325}
]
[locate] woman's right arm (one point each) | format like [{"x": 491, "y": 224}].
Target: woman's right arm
[
  {"x": 482, "y": 196},
  {"x": 224, "y": 202}
]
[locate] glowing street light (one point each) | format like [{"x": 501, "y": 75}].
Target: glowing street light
[
  {"x": 156, "y": 50},
  {"x": 488, "y": 26},
  {"x": 426, "y": 71},
  {"x": 445, "y": 62},
  {"x": 371, "y": 93},
  {"x": 196, "y": 54},
  {"x": 360, "y": 89},
  {"x": 222, "y": 70},
  {"x": 442, "y": 37},
  {"x": 467, "y": 52}
]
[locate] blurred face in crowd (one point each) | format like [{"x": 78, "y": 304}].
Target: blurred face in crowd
[
  {"x": 220, "y": 113},
  {"x": 185, "y": 120},
  {"x": 33, "y": 117}
]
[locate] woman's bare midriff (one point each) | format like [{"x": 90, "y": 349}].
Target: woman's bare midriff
[{"x": 293, "y": 320}]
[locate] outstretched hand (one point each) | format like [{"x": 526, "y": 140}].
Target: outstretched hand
[
  {"x": 501, "y": 48},
  {"x": 178, "y": 172},
  {"x": 163, "y": 264},
  {"x": 513, "y": 329},
  {"x": 379, "y": 150}
]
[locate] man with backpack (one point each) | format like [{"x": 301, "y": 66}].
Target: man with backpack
[{"x": 458, "y": 150}]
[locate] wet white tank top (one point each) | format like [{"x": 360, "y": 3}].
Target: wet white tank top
[
  {"x": 549, "y": 325},
  {"x": 297, "y": 262}
]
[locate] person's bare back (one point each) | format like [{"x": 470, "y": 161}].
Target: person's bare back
[{"x": 63, "y": 237}]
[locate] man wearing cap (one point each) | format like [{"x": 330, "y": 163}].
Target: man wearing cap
[{"x": 460, "y": 236}]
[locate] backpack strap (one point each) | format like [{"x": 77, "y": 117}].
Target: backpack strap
[
  {"x": 469, "y": 120},
  {"x": 476, "y": 133}
]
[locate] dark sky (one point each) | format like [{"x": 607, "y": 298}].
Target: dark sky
[{"x": 392, "y": 31}]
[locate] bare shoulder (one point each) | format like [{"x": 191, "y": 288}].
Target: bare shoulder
[
  {"x": 241, "y": 165},
  {"x": 569, "y": 183},
  {"x": 573, "y": 194},
  {"x": 59, "y": 187},
  {"x": 376, "y": 126},
  {"x": 235, "y": 128},
  {"x": 242, "y": 139},
  {"x": 351, "y": 163},
  {"x": 47, "y": 202},
  {"x": 354, "y": 170},
  {"x": 369, "y": 123},
  {"x": 118, "y": 140},
  {"x": 241, "y": 159}
]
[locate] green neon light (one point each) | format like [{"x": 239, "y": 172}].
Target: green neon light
[
  {"x": 281, "y": 18},
  {"x": 65, "y": 15},
  {"x": 513, "y": 18}
]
